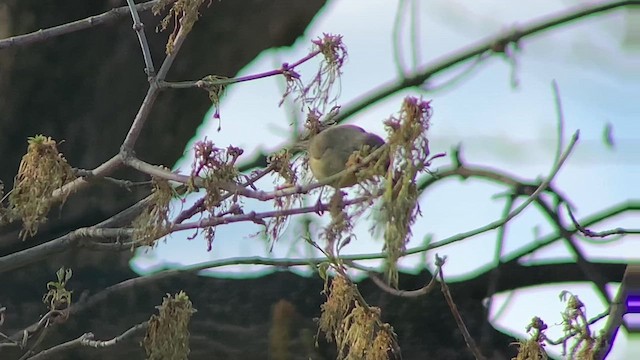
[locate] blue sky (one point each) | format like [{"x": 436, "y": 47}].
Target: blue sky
[{"x": 498, "y": 125}]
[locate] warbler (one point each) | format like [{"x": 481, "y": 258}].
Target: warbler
[{"x": 330, "y": 150}]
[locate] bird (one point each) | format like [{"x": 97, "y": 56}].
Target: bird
[{"x": 330, "y": 150}]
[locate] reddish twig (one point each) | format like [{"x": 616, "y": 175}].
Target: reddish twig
[{"x": 599, "y": 234}]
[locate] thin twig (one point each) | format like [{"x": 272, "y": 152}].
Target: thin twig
[
  {"x": 72, "y": 239},
  {"x": 87, "y": 340},
  {"x": 471, "y": 344},
  {"x": 138, "y": 27},
  {"x": 496, "y": 224},
  {"x": 125, "y": 335},
  {"x": 198, "y": 206},
  {"x": 125, "y": 216},
  {"x": 456, "y": 78},
  {"x": 42, "y": 324},
  {"x": 560, "y": 118},
  {"x": 617, "y": 309},
  {"x": 126, "y": 149},
  {"x": 127, "y": 184},
  {"x": 471, "y": 51},
  {"x": 494, "y": 277},
  {"x": 373, "y": 275},
  {"x": 587, "y": 268},
  {"x": 92, "y": 21},
  {"x": 574, "y": 332},
  {"x": 415, "y": 34},
  {"x": 404, "y": 293},
  {"x": 57, "y": 350},
  {"x": 257, "y": 217},
  {"x": 46, "y": 321},
  {"x": 466, "y": 171},
  {"x": 104, "y": 169},
  {"x": 209, "y": 82},
  {"x": 396, "y": 35},
  {"x": 599, "y": 234},
  {"x": 583, "y": 263}
]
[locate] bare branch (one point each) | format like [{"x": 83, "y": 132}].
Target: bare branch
[
  {"x": 617, "y": 309},
  {"x": 464, "y": 74},
  {"x": 496, "y": 224},
  {"x": 396, "y": 34},
  {"x": 520, "y": 276},
  {"x": 73, "y": 239},
  {"x": 62, "y": 348},
  {"x": 43, "y": 35},
  {"x": 124, "y": 336},
  {"x": 104, "y": 169},
  {"x": 471, "y": 344},
  {"x": 497, "y": 259},
  {"x": 404, "y": 293},
  {"x": 87, "y": 340},
  {"x": 138, "y": 26},
  {"x": 126, "y": 184},
  {"x": 126, "y": 150},
  {"x": 560, "y": 118},
  {"x": 40, "y": 330},
  {"x": 466, "y": 171},
  {"x": 599, "y": 234},
  {"x": 582, "y": 262},
  {"x": 494, "y": 44}
]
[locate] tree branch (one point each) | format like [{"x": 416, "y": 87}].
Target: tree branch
[
  {"x": 138, "y": 27},
  {"x": 468, "y": 339},
  {"x": 494, "y": 44},
  {"x": 581, "y": 260},
  {"x": 617, "y": 310},
  {"x": 496, "y": 224},
  {"x": 599, "y": 234},
  {"x": 34, "y": 254},
  {"x": 87, "y": 340},
  {"x": 43, "y": 35}
]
